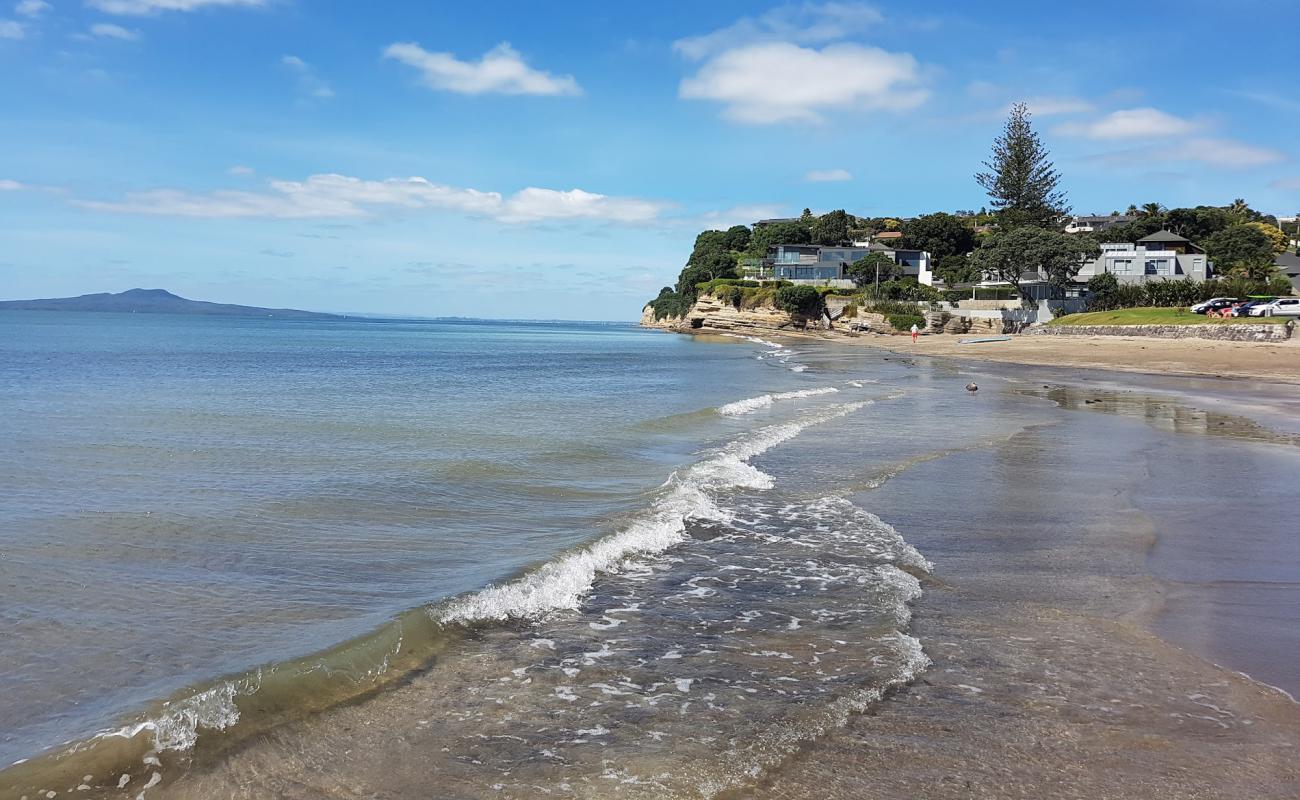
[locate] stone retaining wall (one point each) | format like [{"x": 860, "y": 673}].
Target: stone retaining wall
[{"x": 1232, "y": 333}]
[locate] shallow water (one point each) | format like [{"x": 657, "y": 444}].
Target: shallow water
[{"x": 578, "y": 560}]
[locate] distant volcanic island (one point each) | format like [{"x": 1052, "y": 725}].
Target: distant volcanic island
[{"x": 154, "y": 301}]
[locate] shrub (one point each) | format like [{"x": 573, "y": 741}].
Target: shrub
[
  {"x": 888, "y": 307},
  {"x": 850, "y": 311},
  {"x": 803, "y": 301},
  {"x": 904, "y": 322},
  {"x": 669, "y": 305}
]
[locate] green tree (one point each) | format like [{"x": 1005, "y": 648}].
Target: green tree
[
  {"x": 737, "y": 238},
  {"x": 1021, "y": 181},
  {"x": 1197, "y": 223},
  {"x": 800, "y": 301},
  {"x": 1242, "y": 250},
  {"x": 954, "y": 269},
  {"x": 1151, "y": 210},
  {"x": 1058, "y": 256},
  {"x": 1103, "y": 291},
  {"x": 863, "y": 271},
  {"x": 765, "y": 236},
  {"x": 1275, "y": 235},
  {"x": 831, "y": 228},
  {"x": 941, "y": 235}
]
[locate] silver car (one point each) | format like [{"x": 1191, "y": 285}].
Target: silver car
[{"x": 1281, "y": 307}]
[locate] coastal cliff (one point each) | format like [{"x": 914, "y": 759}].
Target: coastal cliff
[{"x": 712, "y": 313}]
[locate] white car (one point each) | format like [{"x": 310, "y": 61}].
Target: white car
[{"x": 1281, "y": 307}]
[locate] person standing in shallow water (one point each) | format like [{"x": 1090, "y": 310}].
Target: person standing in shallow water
[{"x": 915, "y": 332}]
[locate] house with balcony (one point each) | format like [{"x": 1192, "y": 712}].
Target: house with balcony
[
  {"x": 1161, "y": 256},
  {"x": 828, "y": 266}
]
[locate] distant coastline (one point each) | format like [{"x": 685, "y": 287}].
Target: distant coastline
[{"x": 155, "y": 301}]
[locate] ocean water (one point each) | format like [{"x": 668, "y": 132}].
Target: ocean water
[{"x": 577, "y": 560}]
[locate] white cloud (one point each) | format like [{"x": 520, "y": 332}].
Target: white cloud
[
  {"x": 781, "y": 82},
  {"x": 241, "y": 170},
  {"x": 106, "y": 30},
  {"x": 146, "y": 7},
  {"x": 31, "y": 8},
  {"x": 736, "y": 215},
  {"x": 1226, "y": 153},
  {"x": 1132, "y": 123},
  {"x": 309, "y": 83},
  {"x": 10, "y": 29},
  {"x": 501, "y": 70},
  {"x": 338, "y": 196},
  {"x": 1286, "y": 184},
  {"x": 7, "y": 185},
  {"x": 828, "y": 175},
  {"x": 807, "y": 23}
]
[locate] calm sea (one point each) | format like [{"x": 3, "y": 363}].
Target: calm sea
[{"x": 210, "y": 526}]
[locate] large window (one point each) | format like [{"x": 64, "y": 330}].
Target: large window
[
  {"x": 1159, "y": 266},
  {"x": 1121, "y": 266}
]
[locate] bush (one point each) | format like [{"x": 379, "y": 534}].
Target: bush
[
  {"x": 850, "y": 311},
  {"x": 669, "y": 304},
  {"x": 888, "y": 307},
  {"x": 803, "y": 301},
  {"x": 904, "y": 322}
]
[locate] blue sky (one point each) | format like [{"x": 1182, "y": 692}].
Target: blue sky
[{"x": 530, "y": 160}]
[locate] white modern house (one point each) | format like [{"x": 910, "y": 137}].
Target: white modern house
[{"x": 1161, "y": 256}]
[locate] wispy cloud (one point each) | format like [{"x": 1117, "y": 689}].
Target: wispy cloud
[
  {"x": 107, "y": 30},
  {"x": 309, "y": 83},
  {"x": 31, "y": 8},
  {"x": 1132, "y": 123},
  {"x": 828, "y": 175},
  {"x": 241, "y": 170},
  {"x": 12, "y": 29},
  {"x": 736, "y": 215},
  {"x": 7, "y": 185},
  {"x": 501, "y": 70},
  {"x": 341, "y": 196},
  {"x": 1227, "y": 154},
  {"x": 146, "y": 7},
  {"x": 781, "y": 82},
  {"x": 806, "y": 23},
  {"x": 1286, "y": 184}
]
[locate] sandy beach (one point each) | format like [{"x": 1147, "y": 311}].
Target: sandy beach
[{"x": 1204, "y": 357}]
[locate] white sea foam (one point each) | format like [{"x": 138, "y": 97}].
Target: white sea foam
[
  {"x": 177, "y": 726},
  {"x": 764, "y": 400},
  {"x": 756, "y": 340},
  {"x": 564, "y": 582}
]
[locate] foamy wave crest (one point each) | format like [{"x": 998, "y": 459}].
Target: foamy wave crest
[
  {"x": 764, "y": 400},
  {"x": 756, "y": 340},
  {"x": 177, "y": 726},
  {"x": 562, "y": 583}
]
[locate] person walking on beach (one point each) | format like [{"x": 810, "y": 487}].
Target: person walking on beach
[{"x": 915, "y": 332}]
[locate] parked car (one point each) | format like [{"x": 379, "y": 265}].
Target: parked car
[
  {"x": 1243, "y": 310},
  {"x": 1213, "y": 304},
  {"x": 1282, "y": 307}
]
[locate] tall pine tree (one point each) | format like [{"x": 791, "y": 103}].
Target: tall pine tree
[{"x": 1021, "y": 181}]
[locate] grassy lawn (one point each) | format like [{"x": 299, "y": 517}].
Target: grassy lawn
[{"x": 1157, "y": 316}]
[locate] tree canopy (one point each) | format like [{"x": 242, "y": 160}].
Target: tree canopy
[
  {"x": 1021, "y": 181},
  {"x": 942, "y": 235},
  {"x": 863, "y": 271},
  {"x": 1010, "y": 254},
  {"x": 831, "y": 228},
  {"x": 1242, "y": 250}
]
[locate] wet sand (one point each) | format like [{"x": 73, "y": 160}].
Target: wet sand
[
  {"x": 1258, "y": 361},
  {"x": 1048, "y": 680}
]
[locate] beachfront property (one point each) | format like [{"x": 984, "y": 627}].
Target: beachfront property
[
  {"x": 828, "y": 266},
  {"x": 1091, "y": 224},
  {"x": 1161, "y": 256}
]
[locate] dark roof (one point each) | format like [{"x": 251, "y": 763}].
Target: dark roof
[
  {"x": 1163, "y": 236},
  {"x": 776, "y": 220}
]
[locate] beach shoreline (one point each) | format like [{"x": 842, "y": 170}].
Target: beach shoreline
[{"x": 1206, "y": 358}]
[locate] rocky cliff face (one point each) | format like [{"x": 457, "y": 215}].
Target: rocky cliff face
[{"x": 710, "y": 313}]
